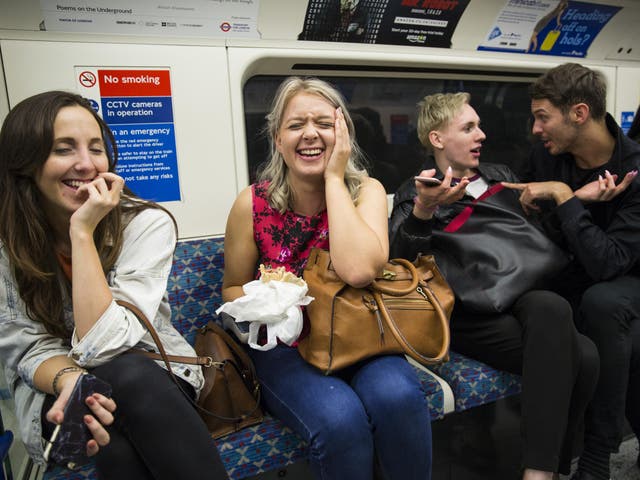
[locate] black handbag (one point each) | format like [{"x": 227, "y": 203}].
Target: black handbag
[{"x": 492, "y": 252}]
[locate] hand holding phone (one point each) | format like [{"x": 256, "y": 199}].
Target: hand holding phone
[
  {"x": 428, "y": 181},
  {"x": 68, "y": 443}
]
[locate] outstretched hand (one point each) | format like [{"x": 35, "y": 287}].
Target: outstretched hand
[
  {"x": 534, "y": 191},
  {"x": 601, "y": 190},
  {"x": 605, "y": 188}
]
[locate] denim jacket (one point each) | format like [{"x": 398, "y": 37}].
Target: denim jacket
[{"x": 139, "y": 276}]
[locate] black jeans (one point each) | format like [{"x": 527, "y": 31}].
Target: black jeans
[
  {"x": 608, "y": 313},
  {"x": 538, "y": 340},
  {"x": 157, "y": 433},
  {"x": 633, "y": 389}
]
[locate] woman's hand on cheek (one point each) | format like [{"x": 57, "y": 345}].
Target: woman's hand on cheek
[
  {"x": 103, "y": 194},
  {"x": 341, "y": 149}
]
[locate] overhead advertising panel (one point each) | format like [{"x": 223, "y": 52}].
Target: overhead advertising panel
[
  {"x": 626, "y": 120},
  {"x": 428, "y": 23},
  {"x": 548, "y": 27},
  {"x": 137, "y": 106},
  {"x": 202, "y": 18}
]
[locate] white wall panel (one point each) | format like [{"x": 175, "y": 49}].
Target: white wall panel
[
  {"x": 627, "y": 90},
  {"x": 201, "y": 109}
]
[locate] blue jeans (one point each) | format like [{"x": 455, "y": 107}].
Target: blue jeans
[{"x": 375, "y": 409}]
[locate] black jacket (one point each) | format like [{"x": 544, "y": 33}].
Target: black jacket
[
  {"x": 410, "y": 235},
  {"x": 604, "y": 237}
]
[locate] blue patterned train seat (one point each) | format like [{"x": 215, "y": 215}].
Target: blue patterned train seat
[
  {"x": 195, "y": 293},
  {"x": 474, "y": 383}
]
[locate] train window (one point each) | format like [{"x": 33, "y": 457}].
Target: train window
[{"x": 384, "y": 111}]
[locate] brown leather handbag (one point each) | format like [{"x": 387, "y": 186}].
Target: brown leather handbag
[
  {"x": 230, "y": 398},
  {"x": 406, "y": 309}
]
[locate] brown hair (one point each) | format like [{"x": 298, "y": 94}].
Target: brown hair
[
  {"x": 569, "y": 84},
  {"x": 26, "y": 140}
]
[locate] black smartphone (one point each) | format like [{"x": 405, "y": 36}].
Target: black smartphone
[
  {"x": 68, "y": 443},
  {"x": 428, "y": 181}
]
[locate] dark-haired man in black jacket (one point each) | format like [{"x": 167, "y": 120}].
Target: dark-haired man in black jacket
[{"x": 584, "y": 184}]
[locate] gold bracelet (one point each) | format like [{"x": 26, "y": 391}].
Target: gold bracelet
[{"x": 60, "y": 373}]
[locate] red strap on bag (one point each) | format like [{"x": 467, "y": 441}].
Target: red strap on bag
[{"x": 464, "y": 215}]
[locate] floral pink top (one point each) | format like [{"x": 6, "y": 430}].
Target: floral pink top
[{"x": 285, "y": 240}]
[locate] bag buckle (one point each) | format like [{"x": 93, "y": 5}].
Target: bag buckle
[
  {"x": 210, "y": 363},
  {"x": 388, "y": 274}
]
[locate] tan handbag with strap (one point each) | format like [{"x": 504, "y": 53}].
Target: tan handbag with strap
[
  {"x": 406, "y": 309},
  {"x": 230, "y": 398}
]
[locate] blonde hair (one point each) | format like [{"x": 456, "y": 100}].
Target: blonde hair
[
  {"x": 436, "y": 111},
  {"x": 279, "y": 192}
]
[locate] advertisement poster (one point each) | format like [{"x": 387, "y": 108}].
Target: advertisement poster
[
  {"x": 203, "y": 18},
  {"x": 626, "y": 119},
  {"x": 428, "y": 23},
  {"x": 548, "y": 27},
  {"x": 137, "y": 105}
]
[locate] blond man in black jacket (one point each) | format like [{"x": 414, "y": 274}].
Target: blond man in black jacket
[{"x": 557, "y": 369}]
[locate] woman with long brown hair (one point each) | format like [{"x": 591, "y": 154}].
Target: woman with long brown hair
[{"x": 73, "y": 241}]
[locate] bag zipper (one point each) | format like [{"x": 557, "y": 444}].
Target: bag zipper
[
  {"x": 424, "y": 284},
  {"x": 372, "y": 305}
]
